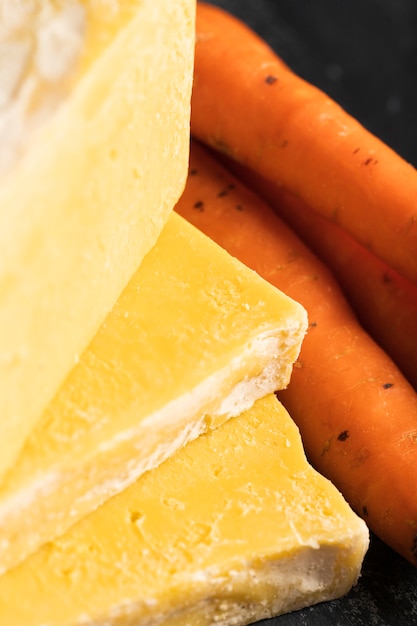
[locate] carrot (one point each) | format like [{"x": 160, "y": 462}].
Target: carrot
[
  {"x": 248, "y": 103},
  {"x": 356, "y": 412},
  {"x": 384, "y": 301}
]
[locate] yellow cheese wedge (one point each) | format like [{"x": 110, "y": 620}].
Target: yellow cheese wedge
[
  {"x": 195, "y": 338},
  {"x": 94, "y": 138},
  {"x": 233, "y": 528}
]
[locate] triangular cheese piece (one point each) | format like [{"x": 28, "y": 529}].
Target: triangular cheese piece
[
  {"x": 234, "y": 528},
  {"x": 195, "y": 338}
]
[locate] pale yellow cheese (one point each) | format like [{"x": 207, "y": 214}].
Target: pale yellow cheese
[
  {"x": 94, "y": 144},
  {"x": 195, "y": 338},
  {"x": 235, "y": 527}
]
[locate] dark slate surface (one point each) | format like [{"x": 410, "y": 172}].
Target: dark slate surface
[{"x": 363, "y": 53}]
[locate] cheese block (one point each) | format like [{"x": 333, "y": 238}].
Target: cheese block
[
  {"x": 235, "y": 527},
  {"x": 194, "y": 339},
  {"x": 94, "y": 142}
]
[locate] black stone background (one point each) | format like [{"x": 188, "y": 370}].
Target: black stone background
[{"x": 363, "y": 53}]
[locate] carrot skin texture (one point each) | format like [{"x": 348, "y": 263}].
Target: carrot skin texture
[
  {"x": 247, "y": 103},
  {"x": 356, "y": 412},
  {"x": 384, "y": 301}
]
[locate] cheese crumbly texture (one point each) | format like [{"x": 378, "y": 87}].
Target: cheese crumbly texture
[
  {"x": 235, "y": 527},
  {"x": 87, "y": 191},
  {"x": 195, "y": 338},
  {"x": 45, "y": 48}
]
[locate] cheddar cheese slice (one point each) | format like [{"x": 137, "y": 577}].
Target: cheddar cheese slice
[
  {"x": 235, "y": 527},
  {"x": 94, "y": 141},
  {"x": 195, "y": 338}
]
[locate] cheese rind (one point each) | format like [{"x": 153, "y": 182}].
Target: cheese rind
[
  {"x": 88, "y": 197},
  {"x": 195, "y": 338},
  {"x": 233, "y": 528}
]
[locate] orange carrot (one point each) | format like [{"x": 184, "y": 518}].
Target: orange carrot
[
  {"x": 385, "y": 301},
  {"x": 356, "y": 412},
  {"x": 248, "y": 103}
]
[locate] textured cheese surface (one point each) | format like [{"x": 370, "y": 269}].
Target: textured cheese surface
[
  {"x": 233, "y": 528},
  {"x": 195, "y": 338},
  {"x": 103, "y": 161}
]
